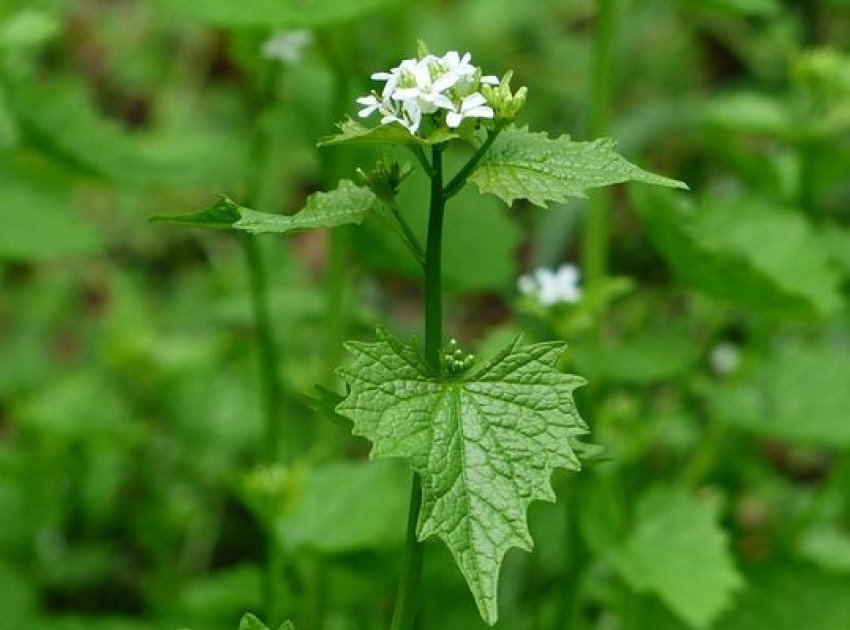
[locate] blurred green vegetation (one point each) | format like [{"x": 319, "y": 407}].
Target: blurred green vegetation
[{"x": 717, "y": 346}]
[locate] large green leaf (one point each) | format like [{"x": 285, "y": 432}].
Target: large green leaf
[
  {"x": 271, "y": 13},
  {"x": 742, "y": 250},
  {"x": 526, "y": 165},
  {"x": 678, "y": 551},
  {"x": 344, "y": 205},
  {"x": 484, "y": 443}
]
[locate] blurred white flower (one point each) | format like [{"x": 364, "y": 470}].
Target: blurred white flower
[
  {"x": 725, "y": 358},
  {"x": 420, "y": 87},
  {"x": 552, "y": 287},
  {"x": 287, "y": 46}
]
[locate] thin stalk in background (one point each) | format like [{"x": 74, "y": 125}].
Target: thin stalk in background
[
  {"x": 407, "y": 599},
  {"x": 337, "y": 311},
  {"x": 597, "y": 227},
  {"x": 267, "y": 350}
]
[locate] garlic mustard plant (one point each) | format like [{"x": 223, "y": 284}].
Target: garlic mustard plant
[{"x": 481, "y": 436}]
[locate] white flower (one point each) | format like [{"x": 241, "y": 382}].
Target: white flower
[
  {"x": 459, "y": 66},
  {"x": 725, "y": 358},
  {"x": 552, "y": 287},
  {"x": 473, "y": 106},
  {"x": 425, "y": 85},
  {"x": 419, "y": 87},
  {"x": 287, "y": 46}
]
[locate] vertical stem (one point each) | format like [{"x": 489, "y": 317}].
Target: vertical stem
[
  {"x": 267, "y": 348},
  {"x": 267, "y": 357},
  {"x": 334, "y": 45},
  {"x": 408, "y": 591},
  {"x": 407, "y": 598},
  {"x": 569, "y": 609},
  {"x": 433, "y": 265},
  {"x": 272, "y": 401},
  {"x": 597, "y": 228}
]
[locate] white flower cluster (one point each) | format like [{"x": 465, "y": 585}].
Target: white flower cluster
[
  {"x": 418, "y": 87},
  {"x": 550, "y": 287}
]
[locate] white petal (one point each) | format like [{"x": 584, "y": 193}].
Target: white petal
[
  {"x": 479, "y": 112},
  {"x": 453, "y": 119},
  {"x": 490, "y": 79},
  {"x": 473, "y": 100},
  {"x": 443, "y": 101},
  {"x": 445, "y": 82},
  {"x": 452, "y": 58},
  {"x": 405, "y": 94},
  {"x": 383, "y": 76}
]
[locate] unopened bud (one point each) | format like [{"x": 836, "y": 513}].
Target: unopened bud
[{"x": 505, "y": 104}]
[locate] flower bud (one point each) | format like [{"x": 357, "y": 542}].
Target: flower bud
[
  {"x": 384, "y": 178},
  {"x": 505, "y": 104}
]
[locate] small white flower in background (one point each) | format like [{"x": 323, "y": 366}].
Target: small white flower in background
[
  {"x": 287, "y": 46},
  {"x": 552, "y": 287},
  {"x": 430, "y": 85},
  {"x": 725, "y": 358}
]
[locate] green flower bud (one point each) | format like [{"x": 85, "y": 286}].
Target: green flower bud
[
  {"x": 505, "y": 103},
  {"x": 384, "y": 177},
  {"x": 455, "y": 360}
]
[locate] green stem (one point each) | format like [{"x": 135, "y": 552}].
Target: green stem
[
  {"x": 423, "y": 161},
  {"x": 407, "y": 233},
  {"x": 407, "y": 599},
  {"x": 268, "y": 359},
  {"x": 272, "y": 402},
  {"x": 338, "y": 265},
  {"x": 459, "y": 180},
  {"x": 596, "y": 227},
  {"x": 569, "y": 606},
  {"x": 411, "y": 575},
  {"x": 433, "y": 265}
]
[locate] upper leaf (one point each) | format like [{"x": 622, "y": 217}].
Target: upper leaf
[
  {"x": 346, "y": 204},
  {"x": 352, "y": 132},
  {"x": 271, "y": 13},
  {"x": 526, "y": 165},
  {"x": 484, "y": 444},
  {"x": 679, "y": 551}
]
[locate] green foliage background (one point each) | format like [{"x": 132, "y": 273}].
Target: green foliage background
[{"x": 130, "y": 410}]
